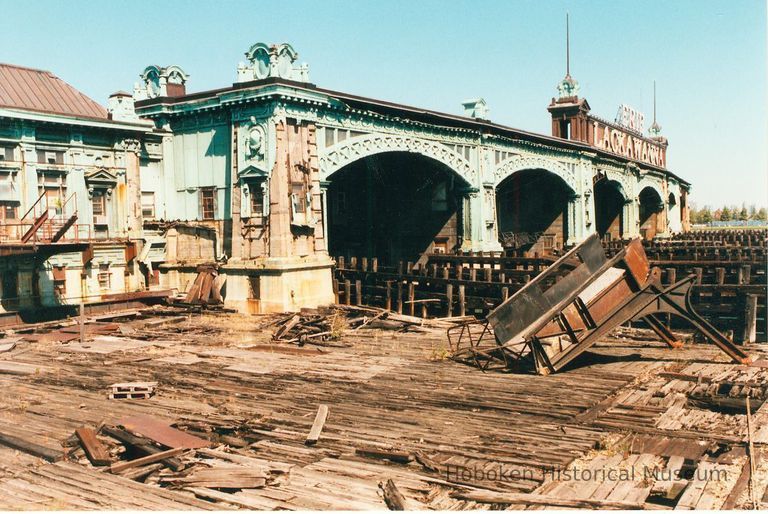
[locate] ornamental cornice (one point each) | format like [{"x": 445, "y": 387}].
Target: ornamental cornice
[{"x": 339, "y": 155}]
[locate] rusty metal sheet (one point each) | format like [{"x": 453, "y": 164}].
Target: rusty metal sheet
[{"x": 161, "y": 432}]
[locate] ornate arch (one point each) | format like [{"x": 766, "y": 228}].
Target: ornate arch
[
  {"x": 514, "y": 164},
  {"x": 339, "y": 155},
  {"x": 646, "y": 182}
]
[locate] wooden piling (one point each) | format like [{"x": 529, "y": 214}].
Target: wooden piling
[
  {"x": 358, "y": 292},
  {"x": 375, "y": 264},
  {"x": 399, "y": 296},
  {"x": 388, "y": 300},
  {"x": 411, "y": 297},
  {"x": 347, "y": 292},
  {"x": 750, "y": 319},
  {"x": 462, "y": 304},
  {"x": 449, "y": 300}
]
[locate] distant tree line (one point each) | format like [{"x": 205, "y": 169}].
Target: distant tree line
[{"x": 727, "y": 213}]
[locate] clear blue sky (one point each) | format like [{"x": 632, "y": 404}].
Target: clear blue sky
[{"x": 708, "y": 57}]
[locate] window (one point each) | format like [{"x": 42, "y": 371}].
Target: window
[
  {"x": 440, "y": 198},
  {"x": 257, "y": 202},
  {"x": 98, "y": 204},
  {"x": 104, "y": 276},
  {"x": 208, "y": 203},
  {"x": 299, "y": 193},
  {"x": 50, "y": 157},
  {"x": 148, "y": 204},
  {"x": 6, "y": 153},
  {"x": 8, "y": 211},
  {"x": 60, "y": 281},
  {"x": 53, "y": 185},
  {"x": 340, "y": 206}
]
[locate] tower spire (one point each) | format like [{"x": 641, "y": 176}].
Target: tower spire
[
  {"x": 567, "y": 45},
  {"x": 568, "y": 87},
  {"x": 655, "y": 128}
]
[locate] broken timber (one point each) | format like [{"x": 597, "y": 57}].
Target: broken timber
[
  {"x": 548, "y": 327},
  {"x": 94, "y": 450},
  {"x": 317, "y": 426}
]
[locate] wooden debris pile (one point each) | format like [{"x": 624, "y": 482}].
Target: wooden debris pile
[
  {"x": 321, "y": 326},
  {"x": 151, "y": 451},
  {"x": 206, "y": 289}
]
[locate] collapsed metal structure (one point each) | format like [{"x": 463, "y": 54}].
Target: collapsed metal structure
[{"x": 573, "y": 304}]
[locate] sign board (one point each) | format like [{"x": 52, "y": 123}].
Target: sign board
[
  {"x": 630, "y": 118},
  {"x": 627, "y": 144}
]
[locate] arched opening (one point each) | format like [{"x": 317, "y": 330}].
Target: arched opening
[
  {"x": 532, "y": 211},
  {"x": 394, "y": 206},
  {"x": 651, "y": 208},
  {"x": 609, "y": 209}
]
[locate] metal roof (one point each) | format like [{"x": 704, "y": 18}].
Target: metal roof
[{"x": 41, "y": 91}]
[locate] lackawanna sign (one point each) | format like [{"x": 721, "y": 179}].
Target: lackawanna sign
[{"x": 625, "y": 144}]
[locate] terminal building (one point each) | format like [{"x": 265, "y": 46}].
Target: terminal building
[{"x": 272, "y": 175}]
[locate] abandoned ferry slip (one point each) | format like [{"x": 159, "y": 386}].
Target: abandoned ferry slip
[{"x": 271, "y": 175}]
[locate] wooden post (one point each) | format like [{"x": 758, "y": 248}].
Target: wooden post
[
  {"x": 388, "y": 301},
  {"x": 745, "y": 274},
  {"x": 750, "y": 319},
  {"x": 504, "y": 294},
  {"x": 473, "y": 274},
  {"x": 364, "y": 263},
  {"x": 411, "y": 297},
  {"x": 358, "y": 292},
  {"x": 424, "y": 310},
  {"x": 462, "y": 305},
  {"x": 671, "y": 275},
  {"x": 719, "y": 276},
  {"x": 503, "y": 278},
  {"x": 399, "y": 296},
  {"x": 449, "y": 300},
  {"x": 375, "y": 264},
  {"x": 489, "y": 274},
  {"x": 347, "y": 292},
  {"x": 400, "y": 268},
  {"x": 699, "y": 272},
  {"x": 335, "y": 290},
  {"x": 446, "y": 272},
  {"x": 340, "y": 262},
  {"x": 353, "y": 263},
  {"x": 459, "y": 272},
  {"x": 82, "y": 322},
  {"x": 409, "y": 268}
]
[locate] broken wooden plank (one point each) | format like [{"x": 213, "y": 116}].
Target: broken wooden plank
[
  {"x": 222, "y": 477},
  {"x": 94, "y": 450},
  {"x": 142, "y": 445},
  {"x": 392, "y": 496},
  {"x": 485, "y": 496},
  {"x": 378, "y": 453},
  {"x": 7, "y": 347},
  {"x": 317, "y": 426},
  {"x": 31, "y": 448},
  {"x": 149, "y": 459},
  {"x": 162, "y": 433},
  {"x": 141, "y": 472}
]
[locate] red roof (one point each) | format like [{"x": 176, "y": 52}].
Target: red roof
[{"x": 42, "y": 91}]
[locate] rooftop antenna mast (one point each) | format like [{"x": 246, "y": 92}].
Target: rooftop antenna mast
[
  {"x": 655, "y": 129},
  {"x": 567, "y": 45}
]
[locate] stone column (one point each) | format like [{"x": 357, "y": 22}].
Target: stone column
[
  {"x": 236, "y": 230},
  {"x": 574, "y": 218},
  {"x": 134, "y": 222},
  {"x": 279, "y": 199},
  {"x": 490, "y": 226}
]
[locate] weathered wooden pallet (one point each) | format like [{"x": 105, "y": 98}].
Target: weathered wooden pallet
[{"x": 132, "y": 391}]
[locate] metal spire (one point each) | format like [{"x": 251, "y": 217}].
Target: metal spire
[
  {"x": 567, "y": 45},
  {"x": 655, "y": 129}
]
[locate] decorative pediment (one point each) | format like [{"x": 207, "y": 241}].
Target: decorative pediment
[
  {"x": 253, "y": 173},
  {"x": 101, "y": 178}
]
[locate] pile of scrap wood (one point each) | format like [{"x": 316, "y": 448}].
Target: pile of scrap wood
[
  {"x": 319, "y": 326},
  {"x": 206, "y": 289},
  {"x": 149, "y": 450}
]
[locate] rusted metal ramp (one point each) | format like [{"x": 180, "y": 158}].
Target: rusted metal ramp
[{"x": 573, "y": 304}]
